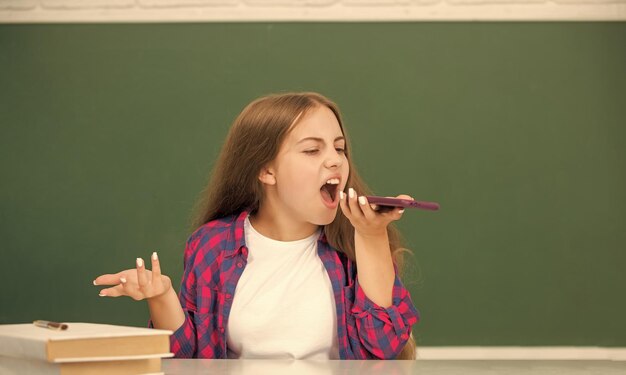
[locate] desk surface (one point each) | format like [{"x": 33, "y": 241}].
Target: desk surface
[{"x": 279, "y": 367}]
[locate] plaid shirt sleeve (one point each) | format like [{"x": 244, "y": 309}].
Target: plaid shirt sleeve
[
  {"x": 382, "y": 332},
  {"x": 183, "y": 341},
  {"x": 211, "y": 266}
]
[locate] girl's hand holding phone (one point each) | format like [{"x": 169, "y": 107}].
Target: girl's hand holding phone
[
  {"x": 364, "y": 216},
  {"x": 137, "y": 283}
]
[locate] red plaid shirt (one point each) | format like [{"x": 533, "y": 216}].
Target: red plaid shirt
[{"x": 215, "y": 257}]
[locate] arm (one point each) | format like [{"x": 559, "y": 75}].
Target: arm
[
  {"x": 376, "y": 271},
  {"x": 371, "y": 244},
  {"x": 165, "y": 310},
  {"x": 381, "y": 306}
]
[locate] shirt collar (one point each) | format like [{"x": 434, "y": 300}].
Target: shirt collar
[{"x": 237, "y": 238}]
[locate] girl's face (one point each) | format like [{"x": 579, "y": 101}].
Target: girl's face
[{"x": 309, "y": 170}]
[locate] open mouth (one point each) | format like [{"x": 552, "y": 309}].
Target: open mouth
[{"x": 330, "y": 190}]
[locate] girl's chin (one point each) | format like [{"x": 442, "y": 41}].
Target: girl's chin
[{"x": 328, "y": 217}]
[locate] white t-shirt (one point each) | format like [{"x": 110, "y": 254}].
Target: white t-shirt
[{"x": 283, "y": 305}]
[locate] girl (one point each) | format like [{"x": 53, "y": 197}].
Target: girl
[{"x": 271, "y": 270}]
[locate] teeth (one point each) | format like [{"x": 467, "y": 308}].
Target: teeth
[{"x": 333, "y": 181}]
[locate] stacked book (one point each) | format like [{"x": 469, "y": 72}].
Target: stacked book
[{"x": 82, "y": 348}]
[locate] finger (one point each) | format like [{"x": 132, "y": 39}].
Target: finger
[
  {"x": 156, "y": 268},
  {"x": 385, "y": 209},
  {"x": 400, "y": 210},
  {"x": 368, "y": 212},
  {"x": 108, "y": 279},
  {"x": 355, "y": 210},
  {"x": 396, "y": 213},
  {"x": 142, "y": 278},
  {"x": 112, "y": 292},
  {"x": 344, "y": 204}
]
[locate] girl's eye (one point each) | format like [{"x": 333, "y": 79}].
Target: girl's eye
[
  {"x": 311, "y": 152},
  {"x": 340, "y": 150}
]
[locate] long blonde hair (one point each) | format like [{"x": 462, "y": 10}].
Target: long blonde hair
[{"x": 253, "y": 141}]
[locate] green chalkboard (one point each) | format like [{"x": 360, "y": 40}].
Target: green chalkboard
[{"x": 108, "y": 133}]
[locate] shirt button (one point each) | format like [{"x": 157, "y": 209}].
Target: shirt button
[
  {"x": 228, "y": 296},
  {"x": 239, "y": 264},
  {"x": 404, "y": 336},
  {"x": 221, "y": 329}
]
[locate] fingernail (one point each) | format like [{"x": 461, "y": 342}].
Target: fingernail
[
  {"x": 362, "y": 200},
  {"x": 102, "y": 294},
  {"x": 122, "y": 280},
  {"x": 155, "y": 256},
  {"x": 95, "y": 283},
  {"x": 341, "y": 195},
  {"x": 139, "y": 262},
  {"x": 401, "y": 211},
  {"x": 351, "y": 193}
]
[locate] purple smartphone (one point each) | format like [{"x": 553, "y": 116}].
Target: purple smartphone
[{"x": 386, "y": 204}]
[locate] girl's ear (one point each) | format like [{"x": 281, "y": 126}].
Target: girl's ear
[{"x": 267, "y": 176}]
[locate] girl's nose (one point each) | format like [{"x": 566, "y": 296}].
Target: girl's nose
[{"x": 334, "y": 160}]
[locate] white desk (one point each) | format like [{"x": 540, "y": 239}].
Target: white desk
[{"x": 421, "y": 367}]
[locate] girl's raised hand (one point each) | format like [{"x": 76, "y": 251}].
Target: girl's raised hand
[
  {"x": 137, "y": 283},
  {"x": 363, "y": 216}
]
